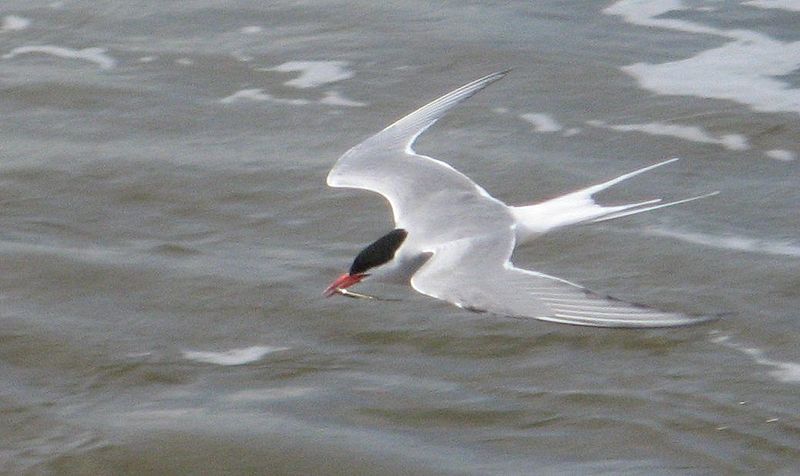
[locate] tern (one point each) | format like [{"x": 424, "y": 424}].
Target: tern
[{"x": 453, "y": 241}]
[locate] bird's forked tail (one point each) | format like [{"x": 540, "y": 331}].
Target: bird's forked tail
[{"x": 579, "y": 207}]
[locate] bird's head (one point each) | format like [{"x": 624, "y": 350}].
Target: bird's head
[{"x": 379, "y": 253}]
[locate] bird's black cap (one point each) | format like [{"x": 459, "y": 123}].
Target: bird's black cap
[{"x": 380, "y": 252}]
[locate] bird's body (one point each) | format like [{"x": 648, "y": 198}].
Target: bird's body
[{"x": 453, "y": 241}]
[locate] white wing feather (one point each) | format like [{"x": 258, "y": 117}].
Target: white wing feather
[
  {"x": 477, "y": 275},
  {"x": 415, "y": 185}
]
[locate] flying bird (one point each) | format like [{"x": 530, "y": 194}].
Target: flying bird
[{"x": 453, "y": 241}]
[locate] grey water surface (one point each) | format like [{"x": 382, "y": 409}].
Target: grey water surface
[{"x": 166, "y": 233}]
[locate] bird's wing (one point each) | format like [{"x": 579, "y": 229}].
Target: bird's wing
[
  {"x": 475, "y": 274},
  {"x": 420, "y": 189}
]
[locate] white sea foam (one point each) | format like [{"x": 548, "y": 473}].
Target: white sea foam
[
  {"x": 233, "y": 356},
  {"x": 690, "y": 133},
  {"x": 790, "y": 5},
  {"x": 780, "y": 154},
  {"x": 645, "y": 13},
  {"x": 732, "y": 242},
  {"x": 744, "y": 70},
  {"x": 251, "y": 30},
  {"x": 258, "y": 95},
  {"x": 97, "y": 56},
  {"x": 783, "y": 371},
  {"x": 252, "y": 94},
  {"x": 331, "y": 98},
  {"x": 14, "y": 23},
  {"x": 541, "y": 122},
  {"x": 313, "y": 73}
]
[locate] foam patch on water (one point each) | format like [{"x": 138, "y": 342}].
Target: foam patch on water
[
  {"x": 690, "y": 133},
  {"x": 783, "y": 371},
  {"x": 97, "y": 56},
  {"x": 732, "y": 242},
  {"x": 789, "y": 5},
  {"x": 744, "y": 70},
  {"x": 313, "y": 73},
  {"x": 258, "y": 95},
  {"x": 233, "y": 356},
  {"x": 541, "y": 122},
  {"x": 781, "y": 155},
  {"x": 331, "y": 98},
  {"x": 645, "y": 13},
  {"x": 14, "y": 23}
]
